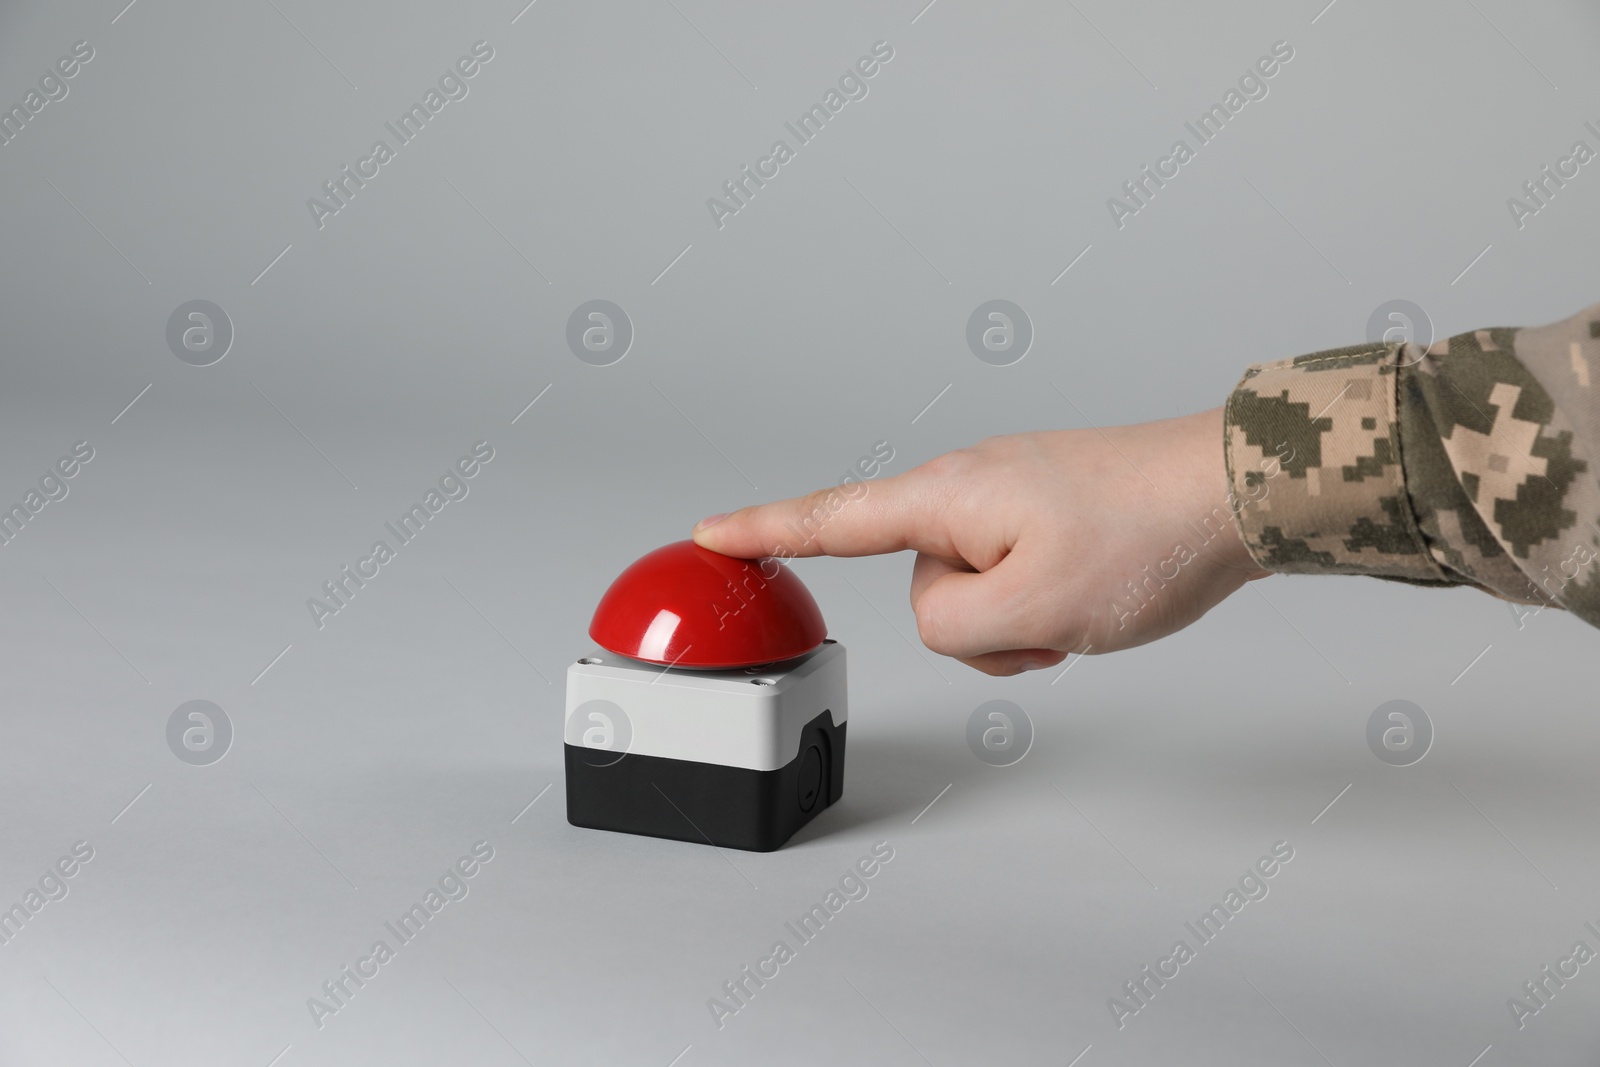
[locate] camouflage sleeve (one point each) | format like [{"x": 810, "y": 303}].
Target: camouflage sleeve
[{"x": 1472, "y": 462}]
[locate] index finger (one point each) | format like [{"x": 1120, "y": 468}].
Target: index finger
[{"x": 856, "y": 519}]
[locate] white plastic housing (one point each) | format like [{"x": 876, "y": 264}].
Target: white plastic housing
[{"x": 738, "y": 718}]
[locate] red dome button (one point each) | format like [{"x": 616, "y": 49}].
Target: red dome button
[{"x": 686, "y": 606}]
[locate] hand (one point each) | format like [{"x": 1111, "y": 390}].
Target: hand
[{"x": 1033, "y": 546}]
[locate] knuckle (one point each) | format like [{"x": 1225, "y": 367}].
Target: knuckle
[
  {"x": 814, "y": 505},
  {"x": 952, "y": 466},
  {"x": 812, "y": 513},
  {"x": 1005, "y": 446}
]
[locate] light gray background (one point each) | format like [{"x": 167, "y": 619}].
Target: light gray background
[{"x": 770, "y": 356}]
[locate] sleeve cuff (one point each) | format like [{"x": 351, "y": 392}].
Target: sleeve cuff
[{"x": 1314, "y": 467}]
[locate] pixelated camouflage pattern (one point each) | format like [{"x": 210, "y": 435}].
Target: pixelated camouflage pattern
[
  {"x": 1313, "y": 458},
  {"x": 1472, "y": 462}
]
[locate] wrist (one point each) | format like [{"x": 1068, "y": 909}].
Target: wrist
[{"x": 1216, "y": 502}]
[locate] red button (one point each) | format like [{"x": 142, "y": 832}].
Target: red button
[{"x": 686, "y": 606}]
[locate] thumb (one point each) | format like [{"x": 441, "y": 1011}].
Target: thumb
[{"x": 973, "y": 616}]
